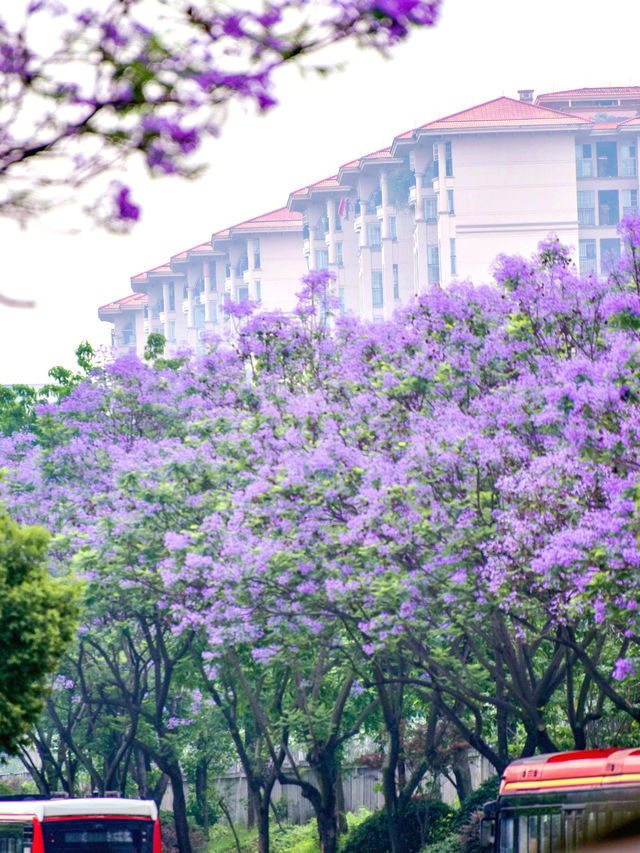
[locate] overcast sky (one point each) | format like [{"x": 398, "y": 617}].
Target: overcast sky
[{"x": 481, "y": 49}]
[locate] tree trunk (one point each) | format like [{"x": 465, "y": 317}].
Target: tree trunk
[
  {"x": 263, "y": 823},
  {"x": 462, "y": 771},
  {"x": 201, "y": 794},
  {"x": 327, "y": 830},
  {"x": 389, "y": 787},
  {"x": 341, "y": 815},
  {"x": 180, "y": 811}
]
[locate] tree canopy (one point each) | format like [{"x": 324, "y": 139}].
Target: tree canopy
[
  {"x": 323, "y": 524},
  {"x": 38, "y": 616}
]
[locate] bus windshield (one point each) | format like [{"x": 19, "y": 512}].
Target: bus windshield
[{"x": 100, "y": 835}]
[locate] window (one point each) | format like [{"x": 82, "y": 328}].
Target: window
[
  {"x": 629, "y": 201},
  {"x": 431, "y": 209},
  {"x": 454, "y": 261},
  {"x": 448, "y": 160},
  {"x": 256, "y": 253},
  {"x": 213, "y": 308},
  {"x": 322, "y": 259},
  {"x": 607, "y": 159},
  {"x": 185, "y": 292},
  {"x": 338, "y": 205},
  {"x": 584, "y": 160},
  {"x": 628, "y": 160},
  {"x": 374, "y": 238},
  {"x": 341, "y": 300},
  {"x": 242, "y": 265},
  {"x": 258, "y": 291},
  {"x": 450, "y": 205},
  {"x": 396, "y": 282},
  {"x": 433, "y": 264},
  {"x": 242, "y": 293},
  {"x": 128, "y": 335},
  {"x": 377, "y": 295},
  {"x": 586, "y": 207},
  {"x": 227, "y": 271},
  {"x": 172, "y": 296},
  {"x": 608, "y": 210},
  {"x": 436, "y": 166},
  {"x": 393, "y": 227},
  {"x": 587, "y": 256},
  {"x": 339, "y": 257},
  {"x": 609, "y": 253}
]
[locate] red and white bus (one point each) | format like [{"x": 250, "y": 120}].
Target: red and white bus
[
  {"x": 94, "y": 824},
  {"x": 561, "y": 801}
]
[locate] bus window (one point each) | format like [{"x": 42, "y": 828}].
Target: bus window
[
  {"x": 11, "y": 837},
  {"x": 545, "y": 833},
  {"x": 99, "y": 836},
  {"x": 506, "y": 834}
]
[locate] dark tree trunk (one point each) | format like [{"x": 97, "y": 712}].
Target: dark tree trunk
[
  {"x": 263, "y": 824},
  {"x": 201, "y": 794},
  {"x": 341, "y": 814},
  {"x": 180, "y": 810},
  {"x": 389, "y": 787},
  {"x": 462, "y": 771},
  {"x": 252, "y": 807}
]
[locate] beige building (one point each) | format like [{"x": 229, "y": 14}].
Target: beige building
[{"x": 441, "y": 202}]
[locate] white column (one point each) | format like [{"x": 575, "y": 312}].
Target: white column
[{"x": 165, "y": 303}]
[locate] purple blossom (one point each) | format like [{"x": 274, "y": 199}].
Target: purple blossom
[{"x": 624, "y": 668}]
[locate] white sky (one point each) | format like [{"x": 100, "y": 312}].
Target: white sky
[{"x": 482, "y": 49}]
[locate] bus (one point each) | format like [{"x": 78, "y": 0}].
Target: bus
[
  {"x": 79, "y": 825},
  {"x": 559, "y": 802}
]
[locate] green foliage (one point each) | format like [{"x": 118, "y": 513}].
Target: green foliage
[
  {"x": 17, "y": 407},
  {"x": 222, "y": 840},
  {"x": 450, "y": 844},
  {"x": 296, "y": 839},
  {"x": 485, "y": 792},
  {"x": 37, "y": 621},
  {"x": 65, "y": 380},
  {"x": 155, "y": 345},
  {"x": 422, "y": 821}
]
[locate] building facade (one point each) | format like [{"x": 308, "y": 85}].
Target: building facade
[{"x": 440, "y": 203}]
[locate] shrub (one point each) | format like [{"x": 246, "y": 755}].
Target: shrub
[
  {"x": 450, "y": 844},
  {"x": 296, "y": 839},
  {"x": 488, "y": 790},
  {"x": 169, "y": 839},
  {"x": 422, "y": 821}
]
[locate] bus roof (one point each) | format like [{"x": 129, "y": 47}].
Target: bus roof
[
  {"x": 557, "y": 770},
  {"x": 89, "y": 806}
]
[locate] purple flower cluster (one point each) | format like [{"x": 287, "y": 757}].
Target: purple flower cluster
[{"x": 457, "y": 485}]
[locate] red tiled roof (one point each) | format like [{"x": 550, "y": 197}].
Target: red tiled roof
[
  {"x": 141, "y": 276},
  {"x": 163, "y": 269},
  {"x": 325, "y": 183},
  {"x": 503, "y": 113},
  {"x": 281, "y": 219},
  {"x": 382, "y": 154},
  {"x": 500, "y": 113},
  {"x": 133, "y": 301},
  {"x": 181, "y": 256},
  {"x": 598, "y": 92}
]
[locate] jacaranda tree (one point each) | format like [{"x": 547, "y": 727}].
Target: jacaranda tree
[{"x": 442, "y": 506}]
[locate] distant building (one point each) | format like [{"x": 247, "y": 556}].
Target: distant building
[{"x": 440, "y": 203}]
